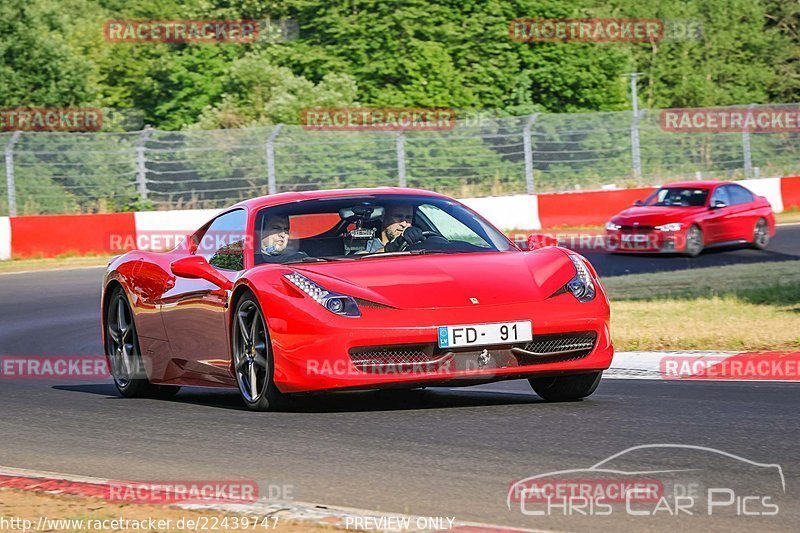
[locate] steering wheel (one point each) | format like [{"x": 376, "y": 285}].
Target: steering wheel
[
  {"x": 427, "y": 235},
  {"x": 432, "y": 240}
]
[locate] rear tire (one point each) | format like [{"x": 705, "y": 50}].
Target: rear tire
[
  {"x": 761, "y": 235},
  {"x": 253, "y": 364},
  {"x": 124, "y": 356},
  {"x": 566, "y": 388},
  {"x": 694, "y": 241}
]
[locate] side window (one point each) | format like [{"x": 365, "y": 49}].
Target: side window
[
  {"x": 223, "y": 242},
  {"x": 721, "y": 193},
  {"x": 740, "y": 195}
]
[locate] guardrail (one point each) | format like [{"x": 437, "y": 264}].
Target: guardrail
[{"x": 53, "y": 235}]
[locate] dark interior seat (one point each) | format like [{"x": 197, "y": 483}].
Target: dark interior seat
[{"x": 322, "y": 246}]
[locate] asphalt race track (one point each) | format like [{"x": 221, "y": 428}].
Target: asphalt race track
[{"x": 438, "y": 452}]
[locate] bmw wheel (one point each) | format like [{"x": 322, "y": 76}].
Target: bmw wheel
[
  {"x": 694, "y": 241},
  {"x": 252, "y": 357},
  {"x": 761, "y": 235}
]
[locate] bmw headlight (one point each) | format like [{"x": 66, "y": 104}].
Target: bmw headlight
[
  {"x": 581, "y": 286},
  {"x": 675, "y": 226},
  {"x": 610, "y": 226},
  {"x": 338, "y": 304}
]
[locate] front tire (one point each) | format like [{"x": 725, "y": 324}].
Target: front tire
[
  {"x": 761, "y": 235},
  {"x": 694, "y": 241},
  {"x": 566, "y": 388},
  {"x": 124, "y": 355},
  {"x": 252, "y": 357}
]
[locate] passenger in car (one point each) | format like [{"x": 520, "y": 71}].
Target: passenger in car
[{"x": 275, "y": 241}]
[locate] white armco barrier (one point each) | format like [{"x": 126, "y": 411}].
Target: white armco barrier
[
  {"x": 5, "y": 238},
  {"x": 163, "y": 230},
  {"x": 520, "y": 212},
  {"x": 770, "y": 188}
]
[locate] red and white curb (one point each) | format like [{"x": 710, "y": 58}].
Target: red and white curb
[
  {"x": 309, "y": 513},
  {"x": 5, "y": 238},
  {"x": 703, "y": 365}
]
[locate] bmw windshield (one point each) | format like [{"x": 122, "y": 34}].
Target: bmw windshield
[{"x": 678, "y": 197}]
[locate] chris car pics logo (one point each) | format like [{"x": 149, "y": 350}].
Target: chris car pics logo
[{"x": 698, "y": 481}]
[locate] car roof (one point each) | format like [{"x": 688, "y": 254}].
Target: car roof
[
  {"x": 295, "y": 196},
  {"x": 697, "y": 184}
]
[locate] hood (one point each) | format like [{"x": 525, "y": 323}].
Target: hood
[
  {"x": 655, "y": 215},
  {"x": 447, "y": 280}
]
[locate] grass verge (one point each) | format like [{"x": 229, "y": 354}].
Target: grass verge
[
  {"x": 788, "y": 217},
  {"x": 737, "y": 307}
]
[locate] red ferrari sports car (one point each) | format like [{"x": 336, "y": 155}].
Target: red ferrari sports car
[
  {"x": 353, "y": 289},
  {"x": 686, "y": 217}
]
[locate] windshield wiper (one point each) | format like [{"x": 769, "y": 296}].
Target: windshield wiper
[
  {"x": 311, "y": 259},
  {"x": 426, "y": 252},
  {"x": 406, "y": 252}
]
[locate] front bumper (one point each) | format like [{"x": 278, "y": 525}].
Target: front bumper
[
  {"x": 648, "y": 241},
  {"x": 312, "y": 349}
]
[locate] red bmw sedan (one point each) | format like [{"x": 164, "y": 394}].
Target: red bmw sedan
[{"x": 686, "y": 217}]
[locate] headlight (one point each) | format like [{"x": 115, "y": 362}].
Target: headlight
[
  {"x": 338, "y": 304},
  {"x": 610, "y": 226},
  {"x": 675, "y": 226},
  {"x": 581, "y": 286}
]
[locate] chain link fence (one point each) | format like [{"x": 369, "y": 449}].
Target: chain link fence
[{"x": 152, "y": 169}]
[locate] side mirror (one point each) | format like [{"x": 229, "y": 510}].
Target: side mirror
[
  {"x": 196, "y": 267},
  {"x": 638, "y": 203},
  {"x": 719, "y": 204}
]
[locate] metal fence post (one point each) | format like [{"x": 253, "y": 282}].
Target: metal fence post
[
  {"x": 528, "y": 150},
  {"x": 635, "y": 152},
  {"x": 10, "y": 183},
  {"x": 272, "y": 183},
  {"x": 141, "y": 167},
  {"x": 400, "y": 145},
  {"x": 748, "y": 156}
]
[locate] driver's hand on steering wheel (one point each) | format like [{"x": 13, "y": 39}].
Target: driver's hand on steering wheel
[{"x": 411, "y": 235}]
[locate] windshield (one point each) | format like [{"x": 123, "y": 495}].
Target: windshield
[
  {"x": 678, "y": 197},
  {"x": 355, "y": 228}
]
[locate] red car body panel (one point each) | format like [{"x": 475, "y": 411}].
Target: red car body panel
[
  {"x": 184, "y": 325},
  {"x": 734, "y": 223}
]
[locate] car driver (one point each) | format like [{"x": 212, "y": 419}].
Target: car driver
[{"x": 397, "y": 230}]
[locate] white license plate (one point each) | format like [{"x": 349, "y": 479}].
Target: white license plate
[{"x": 485, "y": 334}]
